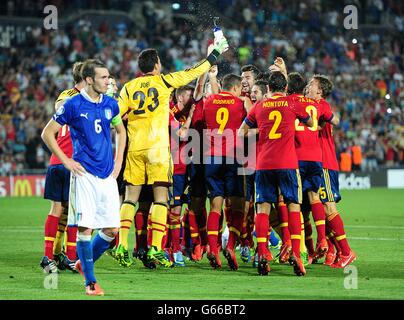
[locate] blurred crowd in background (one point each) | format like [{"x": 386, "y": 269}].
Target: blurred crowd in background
[{"x": 366, "y": 65}]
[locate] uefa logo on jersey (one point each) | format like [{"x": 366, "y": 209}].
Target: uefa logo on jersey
[{"x": 108, "y": 114}]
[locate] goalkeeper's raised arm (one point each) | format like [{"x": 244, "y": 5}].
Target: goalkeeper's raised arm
[{"x": 181, "y": 78}]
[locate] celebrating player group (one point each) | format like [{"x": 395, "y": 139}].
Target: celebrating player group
[{"x": 199, "y": 170}]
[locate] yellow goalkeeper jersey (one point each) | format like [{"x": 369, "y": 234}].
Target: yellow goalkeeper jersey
[
  {"x": 66, "y": 94},
  {"x": 146, "y": 101}
]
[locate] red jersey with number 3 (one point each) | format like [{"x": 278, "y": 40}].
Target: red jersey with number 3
[
  {"x": 223, "y": 114},
  {"x": 275, "y": 119},
  {"x": 307, "y": 140},
  {"x": 327, "y": 142}
]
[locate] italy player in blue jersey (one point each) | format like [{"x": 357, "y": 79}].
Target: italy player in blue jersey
[{"x": 94, "y": 197}]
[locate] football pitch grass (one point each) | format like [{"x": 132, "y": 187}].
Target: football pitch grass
[{"x": 374, "y": 223}]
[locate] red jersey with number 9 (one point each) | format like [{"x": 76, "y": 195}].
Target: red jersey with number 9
[
  {"x": 275, "y": 119},
  {"x": 223, "y": 114}
]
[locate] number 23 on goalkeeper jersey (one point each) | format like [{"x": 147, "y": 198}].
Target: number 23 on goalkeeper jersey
[{"x": 146, "y": 101}]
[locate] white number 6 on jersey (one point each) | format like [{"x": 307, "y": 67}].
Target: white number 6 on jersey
[{"x": 97, "y": 126}]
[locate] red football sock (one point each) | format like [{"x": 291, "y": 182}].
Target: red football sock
[
  {"x": 201, "y": 219},
  {"x": 51, "y": 227},
  {"x": 319, "y": 219},
  {"x": 308, "y": 232},
  {"x": 295, "y": 231},
  {"x": 261, "y": 230},
  {"x": 337, "y": 225},
  {"x": 331, "y": 238},
  {"x": 213, "y": 230},
  {"x": 193, "y": 225},
  {"x": 149, "y": 230},
  {"x": 71, "y": 233},
  {"x": 186, "y": 235},
  {"x": 243, "y": 235},
  {"x": 284, "y": 218},
  {"x": 228, "y": 214},
  {"x": 250, "y": 226},
  {"x": 165, "y": 240},
  {"x": 141, "y": 229},
  {"x": 331, "y": 247},
  {"x": 221, "y": 229},
  {"x": 174, "y": 230},
  {"x": 235, "y": 228}
]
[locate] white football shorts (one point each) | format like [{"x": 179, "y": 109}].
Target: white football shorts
[{"x": 93, "y": 202}]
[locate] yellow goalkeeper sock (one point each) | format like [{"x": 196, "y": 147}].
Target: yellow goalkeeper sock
[
  {"x": 158, "y": 224},
  {"x": 57, "y": 245},
  {"x": 127, "y": 214}
]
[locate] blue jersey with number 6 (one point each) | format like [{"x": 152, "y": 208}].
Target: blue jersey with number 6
[{"x": 89, "y": 124}]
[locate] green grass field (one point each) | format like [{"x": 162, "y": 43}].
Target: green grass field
[{"x": 374, "y": 221}]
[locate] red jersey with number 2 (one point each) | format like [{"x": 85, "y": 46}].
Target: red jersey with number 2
[{"x": 275, "y": 119}]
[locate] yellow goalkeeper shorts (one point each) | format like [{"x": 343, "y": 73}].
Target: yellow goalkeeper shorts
[{"x": 149, "y": 166}]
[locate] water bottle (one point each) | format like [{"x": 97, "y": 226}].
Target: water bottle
[{"x": 217, "y": 31}]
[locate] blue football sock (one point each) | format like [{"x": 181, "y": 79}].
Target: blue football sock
[
  {"x": 273, "y": 239},
  {"x": 100, "y": 244},
  {"x": 85, "y": 253}
]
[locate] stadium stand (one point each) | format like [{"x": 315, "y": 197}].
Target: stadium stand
[{"x": 366, "y": 65}]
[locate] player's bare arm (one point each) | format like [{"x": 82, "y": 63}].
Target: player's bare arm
[
  {"x": 48, "y": 136},
  {"x": 243, "y": 130},
  {"x": 200, "y": 87},
  {"x": 121, "y": 144},
  {"x": 309, "y": 123},
  {"x": 334, "y": 121},
  {"x": 184, "y": 130},
  {"x": 279, "y": 65},
  {"x": 212, "y": 74},
  {"x": 247, "y": 103}
]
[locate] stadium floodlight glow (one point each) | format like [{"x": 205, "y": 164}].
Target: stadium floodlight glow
[
  {"x": 387, "y": 96},
  {"x": 389, "y": 110},
  {"x": 354, "y": 41},
  {"x": 176, "y": 6}
]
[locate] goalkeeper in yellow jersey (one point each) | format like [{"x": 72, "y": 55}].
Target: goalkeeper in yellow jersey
[{"x": 146, "y": 102}]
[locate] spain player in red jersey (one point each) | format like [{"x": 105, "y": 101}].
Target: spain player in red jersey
[
  {"x": 180, "y": 121},
  {"x": 223, "y": 114},
  {"x": 57, "y": 191},
  {"x": 309, "y": 154},
  {"x": 196, "y": 216},
  {"x": 249, "y": 74},
  {"x": 319, "y": 88},
  {"x": 277, "y": 165}
]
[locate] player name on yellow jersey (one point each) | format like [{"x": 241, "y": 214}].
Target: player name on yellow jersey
[{"x": 146, "y": 102}]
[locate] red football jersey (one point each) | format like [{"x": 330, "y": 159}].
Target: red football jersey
[
  {"x": 176, "y": 146},
  {"x": 223, "y": 114},
  {"x": 65, "y": 143},
  {"x": 327, "y": 142},
  {"x": 197, "y": 121},
  {"x": 307, "y": 138},
  {"x": 275, "y": 119},
  {"x": 180, "y": 115}
]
